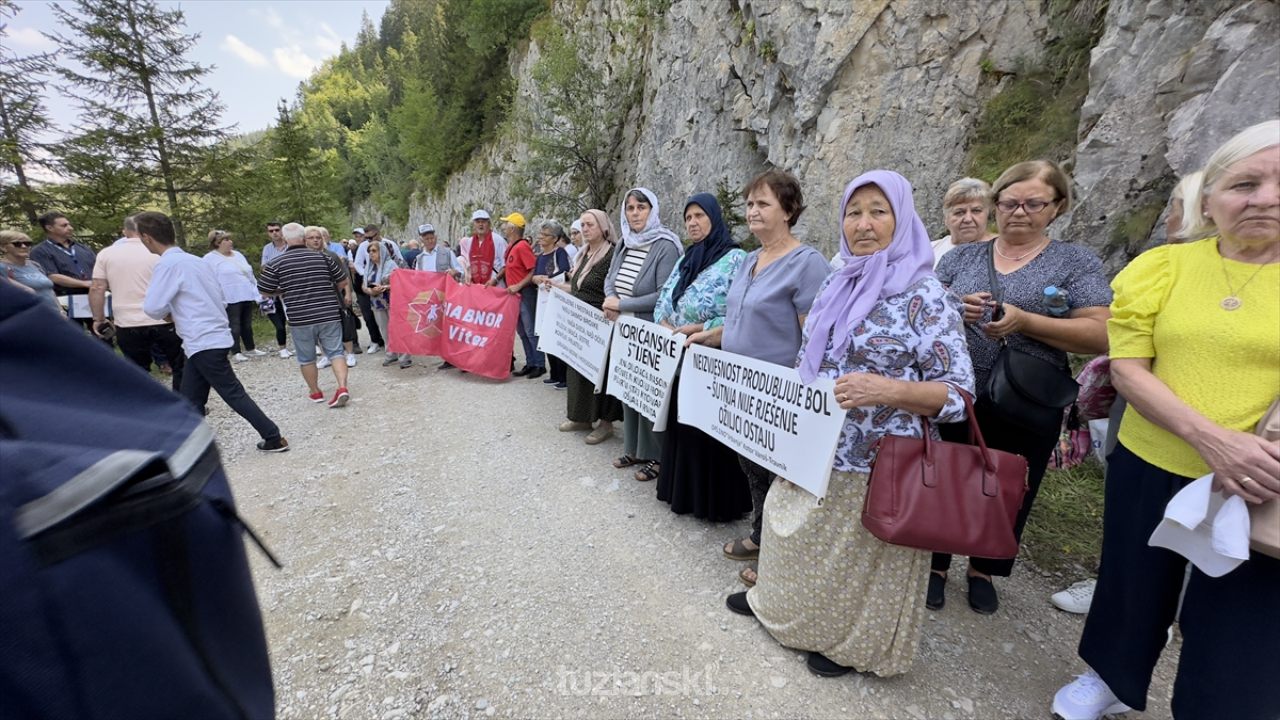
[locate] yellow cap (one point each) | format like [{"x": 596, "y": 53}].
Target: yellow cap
[{"x": 515, "y": 219}]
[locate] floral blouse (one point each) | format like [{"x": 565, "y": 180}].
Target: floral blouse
[
  {"x": 706, "y": 296},
  {"x": 916, "y": 335}
]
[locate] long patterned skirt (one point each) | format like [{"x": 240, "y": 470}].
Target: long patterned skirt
[{"x": 827, "y": 585}]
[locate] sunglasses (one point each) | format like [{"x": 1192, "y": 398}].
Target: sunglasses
[{"x": 21, "y": 243}]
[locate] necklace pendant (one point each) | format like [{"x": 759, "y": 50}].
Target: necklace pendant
[{"x": 1230, "y": 303}]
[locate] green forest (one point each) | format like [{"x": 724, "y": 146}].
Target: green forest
[{"x": 393, "y": 115}]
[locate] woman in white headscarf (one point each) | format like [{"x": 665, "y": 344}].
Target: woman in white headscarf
[{"x": 636, "y": 276}]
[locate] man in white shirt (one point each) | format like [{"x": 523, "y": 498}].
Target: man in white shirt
[
  {"x": 184, "y": 287},
  {"x": 483, "y": 253}
]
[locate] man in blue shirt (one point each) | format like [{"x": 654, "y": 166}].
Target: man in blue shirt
[{"x": 184, "y": 287}]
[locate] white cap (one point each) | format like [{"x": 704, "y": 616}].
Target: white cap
[
  {"x": 480, "y": 215},
  {"x": 426, "y": 228},
  {"x": 359, "y": 230},
  {"x": 577, "y": 225}
]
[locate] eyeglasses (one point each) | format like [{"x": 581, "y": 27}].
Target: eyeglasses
[
  {"x": 21, "y": 243},
  {"x": 1032, "y": 207}
]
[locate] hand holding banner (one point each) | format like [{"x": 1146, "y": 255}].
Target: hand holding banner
[
  {"x": 578, "y": 334},
  {"x": 643, "y": 359},
  {"x": 764, "y": 412}
]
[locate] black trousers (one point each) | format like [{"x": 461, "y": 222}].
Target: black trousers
[
  {"x": 556, "y": 369},
  {"x": 366, "y": 312},
  {"x": 277, "y": 319},
  {"x": 240, "y": 317},
  {"x": 136, "y": 344},
  {"x": 1001, "y": 434},
  {"x": 1230, "y": 661},
  {"x": 212, "y": 369}
]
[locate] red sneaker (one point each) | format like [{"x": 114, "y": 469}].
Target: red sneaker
[
  {"x": 340, "y": 398},
  {"x": 316, "y": 396}
]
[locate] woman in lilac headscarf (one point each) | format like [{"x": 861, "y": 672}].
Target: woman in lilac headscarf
[{"x": 892, "y": 338}]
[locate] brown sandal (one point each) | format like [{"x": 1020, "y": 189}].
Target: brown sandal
[
  {"x": 738, "y": 550},
  {"x": 649, "y": 472},
  {"x": 749, "y": 581}
]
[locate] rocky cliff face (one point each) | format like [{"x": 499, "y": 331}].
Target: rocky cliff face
[
  {"x": 831, "y": 88},
  {"x": 1168, "y": 83}
]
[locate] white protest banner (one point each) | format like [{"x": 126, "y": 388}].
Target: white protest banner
[
  {"x": 540, "y": 313},
  {"x": 643, "y": 360},
  {"x": 577, "y": 334},
  {"x": 764, "y": 412}
]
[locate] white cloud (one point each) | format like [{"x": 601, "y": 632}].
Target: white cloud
[
  {"x": 293, "y": 61},
  {"x": 28, "y": 38},
  {"x": 327, "y": 41},
  {"x": 237, "y": 47}
]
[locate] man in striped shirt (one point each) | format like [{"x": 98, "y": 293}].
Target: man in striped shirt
[{"x": 307, "y": 283}]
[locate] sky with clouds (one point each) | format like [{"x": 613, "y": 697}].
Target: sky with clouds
[{"x": 260, "y": 49}]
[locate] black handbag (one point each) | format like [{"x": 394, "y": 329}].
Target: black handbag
[{"x": 1023, "y": 388}]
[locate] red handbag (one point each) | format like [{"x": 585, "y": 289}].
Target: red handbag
[{"x": 946, "y": 497}]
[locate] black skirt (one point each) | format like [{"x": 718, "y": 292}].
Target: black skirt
[{"x": 699, "y": 474}]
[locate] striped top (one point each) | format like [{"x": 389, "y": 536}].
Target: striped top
[
  {"x": 632, "y": 260},
  {"x": 306, "y": 280}
]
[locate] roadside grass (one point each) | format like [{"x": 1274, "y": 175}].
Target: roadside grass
[{"x": 1064, "y": 533}]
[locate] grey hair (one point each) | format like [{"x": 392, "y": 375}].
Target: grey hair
[
  {"x": 130, "y": 224},
  {"x": 1187, "y": 187},
  {"x": 293, "y": 232},
  {"x": 967, "y": 189},
  {"x": 1251, "y": 140},
  {"x": 556, "y": 230}
]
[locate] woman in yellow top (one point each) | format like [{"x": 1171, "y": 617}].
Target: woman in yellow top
[{"x": 1195, "y": 348}]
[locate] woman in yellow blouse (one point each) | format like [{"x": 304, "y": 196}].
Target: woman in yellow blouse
[{"x": 1195, "y": 349}]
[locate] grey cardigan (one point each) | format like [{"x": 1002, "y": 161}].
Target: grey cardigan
[{"x": 657, "y": 267}]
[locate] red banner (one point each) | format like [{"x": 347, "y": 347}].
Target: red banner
[{"x": 471, "y": 326}]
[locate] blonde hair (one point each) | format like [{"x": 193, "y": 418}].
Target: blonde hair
[
  {"x": 1049, "y": 172},
  {"x": 8, "y": 237},
  {"x": 313, "y": 229},
  {"x": 215, "y": 237},
  {"x": 1196, "y": 222},
  {"x": 1187, "y": 187}
]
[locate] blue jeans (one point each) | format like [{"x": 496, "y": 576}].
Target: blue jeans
[{"x": 524, "y": 328}]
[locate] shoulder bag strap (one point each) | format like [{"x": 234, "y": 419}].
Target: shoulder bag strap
[{"x": 993, "y": 279}]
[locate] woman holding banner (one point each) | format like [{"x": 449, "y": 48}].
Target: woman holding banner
[
  {"x": 892, "y": 338},
  {"x": 552, "y": 261},
  {"x": 637, "y": 273},
  {"x": 586, "y": 283}
]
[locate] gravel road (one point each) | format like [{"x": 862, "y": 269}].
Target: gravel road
[{"x": 449, "y": 554}]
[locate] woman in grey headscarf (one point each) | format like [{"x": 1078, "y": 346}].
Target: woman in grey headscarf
[{"x": 636, "y": 275}]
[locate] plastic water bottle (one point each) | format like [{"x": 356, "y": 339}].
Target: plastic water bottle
[{"x": 1055, "y": 302}]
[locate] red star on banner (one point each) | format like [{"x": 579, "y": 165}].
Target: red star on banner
[{"x": 426, "y": 312}]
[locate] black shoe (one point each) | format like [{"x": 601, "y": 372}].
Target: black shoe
[
  {"x": 937, "y": 595},
  {"x": 550, "y": 381},
  {"x": 536, "y": 372},
  {"x": 521, "y": 372},
  {"x": 444, "y": 365},
  {"x": 982, "y": 596},
  {"x": 562, "y": 385},
  {"x": 820, "y": 664},
  {"x": 737, "y": 602},
  {"x": 277, "y": 445}
]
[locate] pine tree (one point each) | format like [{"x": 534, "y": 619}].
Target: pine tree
[
  {"x": 138, "y": 89},
  {"x": 24, "y": 121}
]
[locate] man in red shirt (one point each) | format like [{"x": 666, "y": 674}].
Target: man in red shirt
[{"x": 518, "y": 264}]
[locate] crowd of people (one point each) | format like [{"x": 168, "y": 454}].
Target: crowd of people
[{"x": 908, "y": 329}]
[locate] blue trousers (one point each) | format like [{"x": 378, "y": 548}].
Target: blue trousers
[{"x": 524, "y": 328}]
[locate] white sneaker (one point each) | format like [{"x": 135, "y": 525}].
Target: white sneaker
[
  {"x": 372, "y": 349},
  {"x": 323, "y": 362},
  {"x": 256, "y": 353},
  {"x": 351, "y": 359},
  {"x": 1075, "y": 599},
  {"x": 284, "y": 353},
  {"x": 239, "y": 357},
  {"x": 1087, "y": 698}
]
